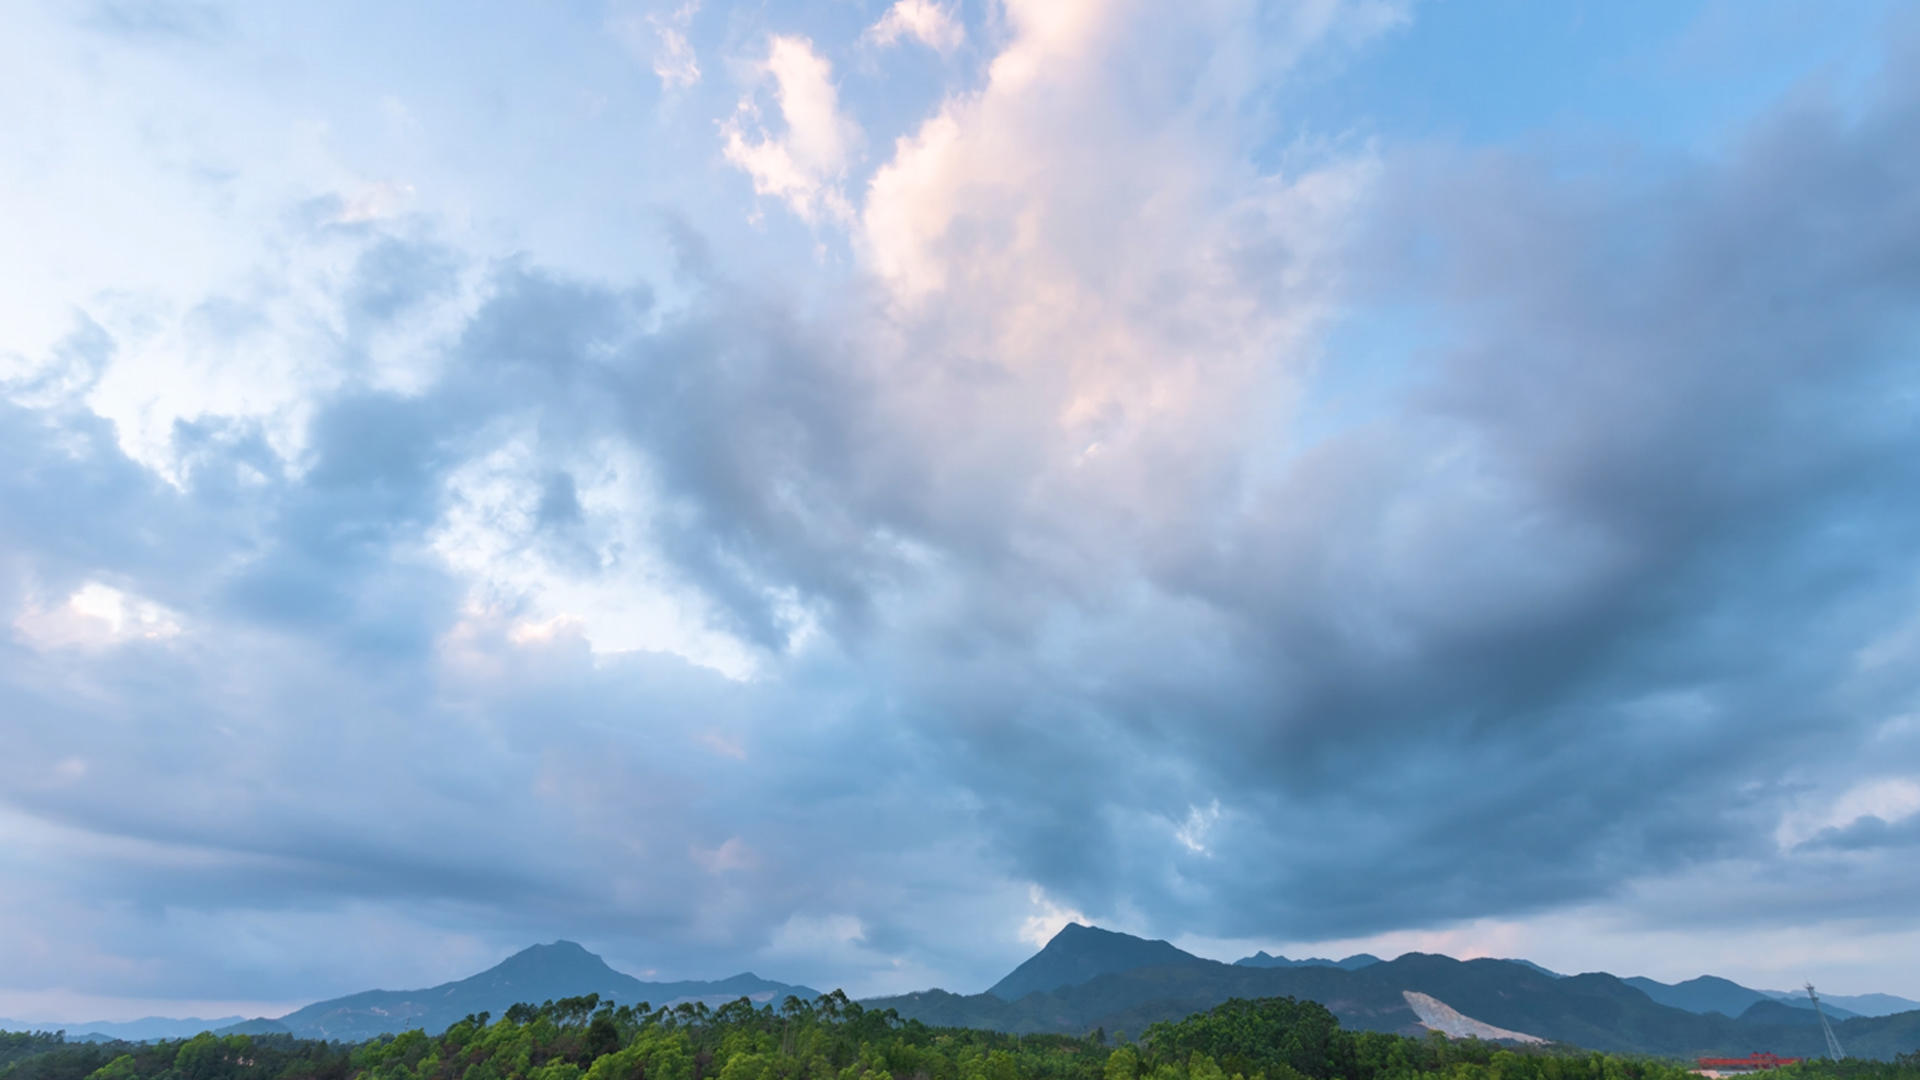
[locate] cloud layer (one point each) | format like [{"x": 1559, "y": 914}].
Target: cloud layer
[{"x": 1068, "y": 498}]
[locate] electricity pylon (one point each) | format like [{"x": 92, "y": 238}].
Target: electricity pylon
[{"x": 1833, "y": 1044}]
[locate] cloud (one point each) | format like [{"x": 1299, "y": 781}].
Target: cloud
[
  {"x": 1047, "y": 918},
  {"x": 96, "y": 614},
  {"x": 1147, "y": 525},
  {"x": 1862, "y": 813},
  {"x": 929, "y": 23},
  {"x": 660, "y": 38},
  {"x": 373, "y": 202},
  {"x": 807, "y": 164}
]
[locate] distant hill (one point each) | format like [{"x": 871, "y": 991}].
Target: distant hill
[
  {"x": 1087, "y": 978},
  {"x": 1705, "y": 994},
  {"x": 1597, "y": 1011},
  {"x": 541, "y": 973},
  {"x": 1710, "y": 993},
  {"x": 1261, "y": 959},
  {"x": 259, "y": 1025},
  {"x": 145, "y": 1028},
  {"x": 1079, "y": 953},
  {"x": 1856, "y": 1004}
]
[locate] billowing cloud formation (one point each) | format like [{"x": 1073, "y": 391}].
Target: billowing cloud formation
[{"x": 1146, "y": 523}]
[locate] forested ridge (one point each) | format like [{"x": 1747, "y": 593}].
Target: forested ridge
[
  {"x": 832, "y": 1038},
  {"x": 1594, "y": 1010}
]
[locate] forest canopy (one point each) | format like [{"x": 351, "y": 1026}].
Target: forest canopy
[{"x": 833, "y": 1038}]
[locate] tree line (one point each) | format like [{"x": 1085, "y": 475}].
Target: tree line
[{"x": 834, "y": 1038}]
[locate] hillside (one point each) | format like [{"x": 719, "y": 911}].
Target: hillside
[
  {"x": 832, "y": 1038},
  {"x": 1705, "y": 994},
  {"x": 1263, "y": 960},
  {"x": 150, "y": 1027},
  {"x": 1087, "y": 978},
  {"x": 1709, "y": 993},
  {"x": 1597, "y": 1011},
  {"x": 1852, "y": 1004},
  {"x": 540, "y": 973},
  {"x": 1079, "y": 953}
]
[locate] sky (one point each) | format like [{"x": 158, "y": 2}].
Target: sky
[{"x": 841, "y": 488}]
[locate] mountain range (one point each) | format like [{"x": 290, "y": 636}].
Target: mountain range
[
  {"x": 1118, "y": 983},
  {"x": 541, "y": 973},
  {"x": 1351, "y": 963},
  {"x": 1087, "y": 978},
  {"x": 144, "y": 1029}
]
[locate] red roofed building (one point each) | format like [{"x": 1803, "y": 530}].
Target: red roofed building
[{"x": 1719, "y": 1066}]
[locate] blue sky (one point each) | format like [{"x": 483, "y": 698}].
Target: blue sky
[{"x": 839, "y": 489}]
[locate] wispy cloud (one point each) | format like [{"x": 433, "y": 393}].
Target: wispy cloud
[
  {"x": 931, "y": 24},
  {"x": 660, "y": 38},
  {"x": 806, "y": 163}
]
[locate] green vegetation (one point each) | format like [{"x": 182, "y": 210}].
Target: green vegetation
[
  {"x": 15, "y": 1045},
  {"x": 204, "y": 1057},
  {"x": 1904, "y": 1067},
  {"x": 832, "y": 1038}
]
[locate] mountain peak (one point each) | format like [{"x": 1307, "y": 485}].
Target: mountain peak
[
  {"x": 561, "y": 947},
  {"x": 559, "y": 959},
  {"x": 1079, "y": 953}
]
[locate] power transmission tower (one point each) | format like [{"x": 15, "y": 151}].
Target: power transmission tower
[{"x": 1833, "y": 1044}]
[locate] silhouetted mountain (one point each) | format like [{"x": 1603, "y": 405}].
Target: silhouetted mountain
[
  {"x": 1856, "y": 1004},
  {"x": 1706, "y": 994},
  {"x": 259, "y": 1025},
  {"x": 1548, "y": 972},
  {"x": 1263, "y": 960},
  {"x": 1087, "y": 977},
  {"x": 1710, "y": 993},
  {"x": 1078, "y": 953},
  {"x": 1598, "y": 1011},
  {"x": 541, "y": 973},
  {"x": 144, "y": 1029}
]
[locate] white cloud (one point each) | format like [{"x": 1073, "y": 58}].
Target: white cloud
[
  {"x": 624, "y": 598},
  {"x": 97, "y": 615},
  {"x": 661, "y": 40},
  {"x": 929, "y": 23},
  {"x": 1047, "y": 918},
  {"x": 675, "y": 62},
  {"x": 374, "y": 202},
  {"x": 1193, "y": 833},
  {"x": 807, "y": 935},
  {"x": 731, "y": 854},
  {"x": 1890, "y": 798},
  {"x": 1138, "y": 288},
  {"x": 806, "y": 166}
]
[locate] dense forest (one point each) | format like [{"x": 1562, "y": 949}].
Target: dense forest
[{"x": 832, "y": 1038}]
